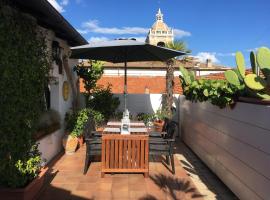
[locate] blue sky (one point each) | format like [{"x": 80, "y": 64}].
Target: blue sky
[{"x": 213, "y": 29}]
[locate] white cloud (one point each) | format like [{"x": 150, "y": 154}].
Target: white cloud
[
  {"x": 98, "y": 39},
  {"x": 93, "y": 26},
  {"x": 254, "y": 49},
  {"x": 56, "y": 5},
  {"x": 64, "y": 2},
  {"x": 178, "y": 33},
  {"x": 202, "y": 56},
  {"x": 225, "y": 54}
]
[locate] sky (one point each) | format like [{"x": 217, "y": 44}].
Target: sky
[{"x": 213, "y": 29}]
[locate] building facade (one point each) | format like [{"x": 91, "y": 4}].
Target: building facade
[{"x": 160, "y": 34}]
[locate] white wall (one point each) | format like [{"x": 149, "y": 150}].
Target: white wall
[
  {"x": 235, "y": 144},
  {"x": 51, "y": 144},
  {"x": 150, "y": 72}
]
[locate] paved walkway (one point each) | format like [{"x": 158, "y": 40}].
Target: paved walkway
[{"x": 207, "y": 183}]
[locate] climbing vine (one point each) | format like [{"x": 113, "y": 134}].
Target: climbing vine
[{"x": 24, "y": 70}]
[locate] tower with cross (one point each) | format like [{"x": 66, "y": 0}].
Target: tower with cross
[{"x": 160, "y": 34}]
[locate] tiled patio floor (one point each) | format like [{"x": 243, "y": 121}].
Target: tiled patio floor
[
  {"x": 206, "y": 182},
  {"x": 66, "y": 182}
]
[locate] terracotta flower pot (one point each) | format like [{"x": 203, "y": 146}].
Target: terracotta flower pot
[
  {"x": 158, "y": 124},
  {"x": 70, "y": 144},
  {"x": 30, "y": 192}
]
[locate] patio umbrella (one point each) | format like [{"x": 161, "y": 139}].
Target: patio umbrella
[{"x": 123, "y": 51}]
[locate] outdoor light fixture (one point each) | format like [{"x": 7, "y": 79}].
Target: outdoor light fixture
[{"x": 56, "y": 55}]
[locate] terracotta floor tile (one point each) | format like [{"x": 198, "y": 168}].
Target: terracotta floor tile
[{"x": 69, "y": 182}]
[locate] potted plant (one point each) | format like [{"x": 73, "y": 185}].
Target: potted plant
[
  {"x": 160, "y": 115},
  {"x": 81, "y": 120},
  {"x": 70, "y": 140},
  {"x": 98, "y": 118}
]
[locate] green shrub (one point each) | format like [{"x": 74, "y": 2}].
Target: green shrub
[
  {"x": 81, "y": 119},
  {"x": 70, "y": 120},
  {"x": 145, "y": 117},
  {"x": 217, "y": 92},
  {"x": 23, "y": 75},
  {"x": 103, "y": 101}
]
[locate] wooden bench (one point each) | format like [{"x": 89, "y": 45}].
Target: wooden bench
[{"x": 125, "y": 154}]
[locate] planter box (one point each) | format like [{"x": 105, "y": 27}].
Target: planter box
[
  {"x": 233, "y": 143},
  {"x": 28, "y": 193}
]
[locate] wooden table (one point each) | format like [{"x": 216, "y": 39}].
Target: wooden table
[{"x": 125, "y": 153}]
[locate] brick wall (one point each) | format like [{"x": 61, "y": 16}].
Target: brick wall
[{"x": 138, "y": 84}]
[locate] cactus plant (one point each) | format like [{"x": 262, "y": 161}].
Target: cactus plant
[
  {"x": 187, "y": 76},
  {"x": 252, "y": 84},
  {"x": 263, "y": 60},
  {"x": 240, "y": 62},
  {"x": 255, "y": 82},
  {"x": 232, "y": 77},
  {"x": 253, "y": 62}
]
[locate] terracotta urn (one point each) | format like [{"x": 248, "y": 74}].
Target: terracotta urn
[
  {"x": 30, "y": 192},
  {"x": 70, "y": 144}
]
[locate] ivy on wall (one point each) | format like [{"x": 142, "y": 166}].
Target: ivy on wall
[{"x": 24, "y": 69}]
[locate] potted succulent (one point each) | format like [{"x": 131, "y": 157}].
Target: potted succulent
[{"x": 70, "y": 141}]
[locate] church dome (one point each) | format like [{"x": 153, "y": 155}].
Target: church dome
[{"x": 160, "y": 25}]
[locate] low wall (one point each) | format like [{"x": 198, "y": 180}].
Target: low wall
[
  {"x": 235, "y": 144},
  {"x": 146, "y": 103},
  {"x": 51, "y": 145}
]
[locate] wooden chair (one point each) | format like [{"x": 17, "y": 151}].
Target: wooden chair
[
  {"x": 124, "y": 153},
  {"x": 164, "y": 145},
  {"x": 92, "y": 141}
]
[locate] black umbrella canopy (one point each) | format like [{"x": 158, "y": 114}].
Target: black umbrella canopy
[{"x": 118, "y": 51}]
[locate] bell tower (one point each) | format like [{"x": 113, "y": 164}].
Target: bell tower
[{"x": 160, "y": 34}]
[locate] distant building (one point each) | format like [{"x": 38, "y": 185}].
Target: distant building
[{"x": 160, "y": 34}]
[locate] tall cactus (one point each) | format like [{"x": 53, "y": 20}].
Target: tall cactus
[
  {"x": 256, "y": 84},
  {"x": 253, "y": 62},
  {"x": 263, "y": 60},
  {"x": 240, "y": 62}
]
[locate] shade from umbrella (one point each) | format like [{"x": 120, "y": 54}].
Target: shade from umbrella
[{"x": 118, "y": 51}]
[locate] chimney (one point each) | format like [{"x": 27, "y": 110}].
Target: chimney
[{"x": 208, "y": 63}]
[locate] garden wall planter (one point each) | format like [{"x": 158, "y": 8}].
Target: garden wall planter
[
  {"x": 30, "y": 192},
  {"x": 233, "y": 143}
]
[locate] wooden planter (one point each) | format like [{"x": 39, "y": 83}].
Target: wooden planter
[
  {"x": 30, "y": 192},
  {"x": 159, "y": 125}
]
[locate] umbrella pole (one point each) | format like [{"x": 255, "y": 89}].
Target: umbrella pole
[{"x": 125, "y": 87}]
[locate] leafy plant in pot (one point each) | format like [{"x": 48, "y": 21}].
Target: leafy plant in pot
[
  {"x": 81, "y": 120},
  {"x": 160, "y": 115},
  {"x": 70, "y": 141}
]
